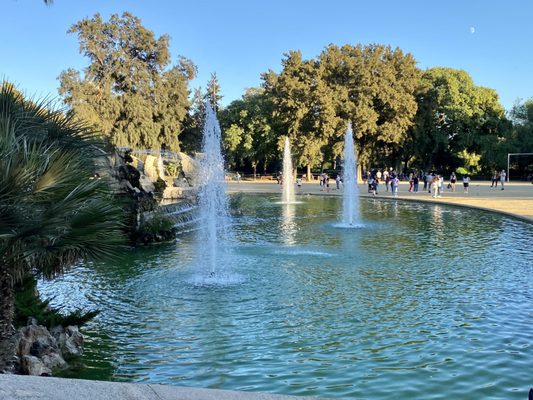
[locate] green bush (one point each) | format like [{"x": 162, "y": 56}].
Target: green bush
[
  {"x": 173, "y": 168},
  {"x": 159, "y": 223}
]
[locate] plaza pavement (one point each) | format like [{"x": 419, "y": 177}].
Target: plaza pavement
[{"x": 516, "y": 200}]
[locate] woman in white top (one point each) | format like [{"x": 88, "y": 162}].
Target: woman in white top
[{"x": 466, "y": 182}]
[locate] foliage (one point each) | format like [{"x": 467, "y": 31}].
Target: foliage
[
  {"x": 158, "y": 223},
  {"x": 373, "y": 87},
  {"x": 297, "y": 106},
  {"x": 470, "y": 161},
  {"x": 52, "y": 211},
  {"x": 213, "y": 92},
  {"x": 29, "y": 304},
  {"x": 128, "y": 91},
  {"x": 173, "y": 168},
  {"x": 454, "y": 116},
  {"x": 247, "y": 130},
  {"x": 191, "y": 137}
]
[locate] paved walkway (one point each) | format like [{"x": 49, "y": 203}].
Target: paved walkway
[
  {"x": 515, "y": 200},
  {"x": 19, "y": 387}
]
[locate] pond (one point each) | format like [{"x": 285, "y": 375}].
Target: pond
[{"x": 425, "y": 301}]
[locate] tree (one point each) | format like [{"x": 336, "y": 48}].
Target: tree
[
  {"x": 191, "y": 137},
  {"x": 375, "y": 89},
  {"x": 455, "y": 116},
  {"x": 248, "y": 133},
  {"x": 301, "y": 106},
  {"x": 519, "y": 138},
  {"x": 213, "y": 92},
  {"x": 53, "y": 212},
  {"x": 128, "y": 92}
]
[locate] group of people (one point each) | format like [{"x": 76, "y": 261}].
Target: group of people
[
  {"x": 432, "y": 182},
  {"x": 498, "y": 176}
]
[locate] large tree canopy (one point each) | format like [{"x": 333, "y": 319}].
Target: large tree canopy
[
  {"x": 455, "y": 118},
  {"x": 373, "y": 87},
  {"x": 129, "y": 91}
]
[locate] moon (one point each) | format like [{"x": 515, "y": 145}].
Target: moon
[{"x": 472, "y": 30}]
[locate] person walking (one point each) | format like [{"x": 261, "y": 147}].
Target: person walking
[
  {"x": 435, "y": 186},
  {"x": 503, "y": 175},
  {"x": 453, "y": 180},
  {"x": 494, "y": 180},
  {"x": 394, "y": 185},
  {"x": 415, "y": 183}
]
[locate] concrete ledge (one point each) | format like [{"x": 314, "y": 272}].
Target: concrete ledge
[{"x": 18, "y": 387}]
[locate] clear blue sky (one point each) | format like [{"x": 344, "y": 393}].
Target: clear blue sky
[{"x": 238, "y": 39}]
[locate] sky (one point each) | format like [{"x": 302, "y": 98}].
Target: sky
[{"x": 240, "y": 39}]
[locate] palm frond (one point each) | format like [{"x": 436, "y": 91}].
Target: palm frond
[{"x": 52, "y": 214}]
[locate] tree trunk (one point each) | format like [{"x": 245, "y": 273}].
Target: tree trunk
[
  {"x": 7, "y": 310},
  {"x": 254, "y": 166},
  {"x": 309, "y": 177}
]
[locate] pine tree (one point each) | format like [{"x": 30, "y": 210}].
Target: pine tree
[
  {"x": 129, "y": 91},
  {"x": 213, "y": 92}
]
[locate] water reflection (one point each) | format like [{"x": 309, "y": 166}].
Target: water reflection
[{"x": 288, "y": 227}]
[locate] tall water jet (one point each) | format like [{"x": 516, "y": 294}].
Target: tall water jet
[
  {"x": 288, "y": 178},
  {"x": 350, "y": 198},
  {"x": 213, "y": 203}
]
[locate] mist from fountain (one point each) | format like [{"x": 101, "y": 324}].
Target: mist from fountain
[
  {"x": 215, "y": 223},
  {"x": 288, "y": 178},
  {"x": 350, "y": 197}
]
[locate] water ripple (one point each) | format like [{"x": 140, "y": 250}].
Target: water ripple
[{"x": 423, "y": 301}]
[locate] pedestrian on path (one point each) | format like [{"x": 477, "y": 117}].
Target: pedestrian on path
[
  {"x": 503, "y": 175},
  {"x": 466, "y": 182},
  {"x": 453, "y": 179},
  {"x": 394, "y": 185}
]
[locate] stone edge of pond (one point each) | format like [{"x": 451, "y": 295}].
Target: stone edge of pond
[{"x": 21, "y": 387}]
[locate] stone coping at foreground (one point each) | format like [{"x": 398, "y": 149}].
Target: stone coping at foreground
[
  {"x": 516, "y": 200},
  {"x": 19, "y": 387}
]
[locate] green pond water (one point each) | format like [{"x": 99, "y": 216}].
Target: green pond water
[{"x": 425, "y": 301}]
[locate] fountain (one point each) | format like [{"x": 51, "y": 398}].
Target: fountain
[
  {"x": 288, "y": 178},
  {"x": 213, "y": 203},
  {"x": 350, "y": 198}
]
